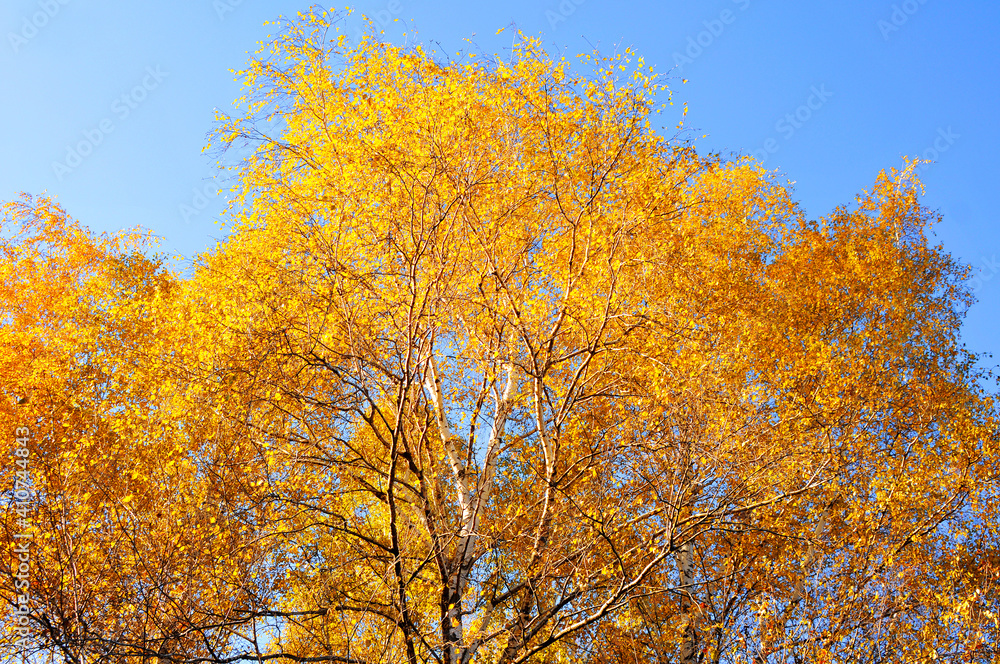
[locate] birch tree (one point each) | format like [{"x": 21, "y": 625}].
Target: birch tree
[{"x": 491, "y": 370}]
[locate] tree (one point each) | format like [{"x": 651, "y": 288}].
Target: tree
[
  {"x": 123, "y": 555},
  {"x": 489, "y": 370}
]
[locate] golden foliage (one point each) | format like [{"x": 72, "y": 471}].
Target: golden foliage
[{"x": 489, "y": 370}]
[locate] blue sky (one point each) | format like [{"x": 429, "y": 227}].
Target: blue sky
[{"x": 827, "y": 92}]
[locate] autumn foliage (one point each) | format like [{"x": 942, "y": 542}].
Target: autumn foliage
[{"x": 488, "y": 369}]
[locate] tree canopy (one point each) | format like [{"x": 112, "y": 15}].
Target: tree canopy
[{"x": 489, "y": 369}]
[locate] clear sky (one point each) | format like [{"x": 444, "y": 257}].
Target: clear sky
[{"x": 829, "y": 92}]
